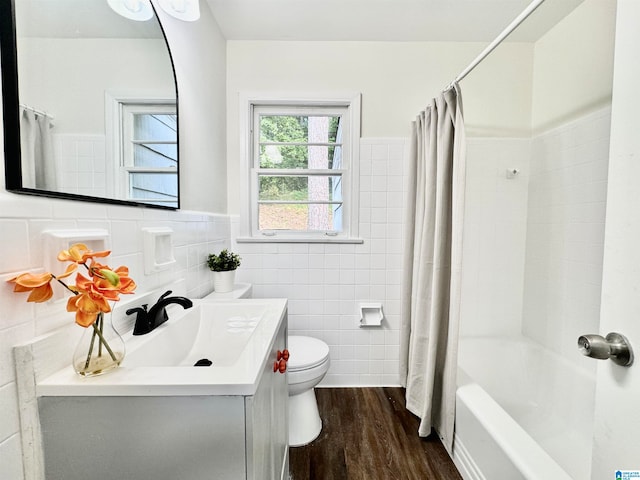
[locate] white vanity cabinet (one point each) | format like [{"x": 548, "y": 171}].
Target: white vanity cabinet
[
  {"x": 169, "y": 437},
  {"x": 267, "y": 417}
]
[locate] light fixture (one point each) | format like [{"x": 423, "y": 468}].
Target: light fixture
[
  {"x": 139, "y": 10},
  {"x": 187, "y": 10}
]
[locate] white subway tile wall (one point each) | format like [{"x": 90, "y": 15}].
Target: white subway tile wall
[
  {"x": 494, "y": 236},
  {"x": 565, "y": 232},
  {"x": 325, "y": 283},
  {"x": 80, "y": 160},
  {"x": 533, "y": 244},
  {"x": 22, "y": 221}
]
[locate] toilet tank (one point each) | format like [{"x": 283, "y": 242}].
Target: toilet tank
[{"x": 240, "y": 290}]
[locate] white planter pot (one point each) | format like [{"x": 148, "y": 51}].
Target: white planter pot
[{"x": 224, "y": 281}]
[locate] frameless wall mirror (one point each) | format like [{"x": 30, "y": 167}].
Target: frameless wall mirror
[{"x": 89, "y": 102}]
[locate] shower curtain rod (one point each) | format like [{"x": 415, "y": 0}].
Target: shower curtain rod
[
  {"x": 39, "y": 112},
  {"x": 492, "y": 46}
]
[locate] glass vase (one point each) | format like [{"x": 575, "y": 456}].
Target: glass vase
[{"x": 100, "y": 349}]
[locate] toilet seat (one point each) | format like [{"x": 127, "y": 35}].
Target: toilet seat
[{"x": 306, "y": 353}]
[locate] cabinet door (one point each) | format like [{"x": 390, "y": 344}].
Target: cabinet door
[
  {"x": 267, "y": 420},
  {"x": 280, "y": 417}
]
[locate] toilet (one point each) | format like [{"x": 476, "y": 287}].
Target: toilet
[{"x": 308, "y": 364}]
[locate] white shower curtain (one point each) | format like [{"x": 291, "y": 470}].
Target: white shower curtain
[
  {"x": 36, "y": 146},
  {"x": 432, "y": 264}
]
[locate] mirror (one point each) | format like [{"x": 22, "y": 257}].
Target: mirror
[{"x": 89, "y": 104}]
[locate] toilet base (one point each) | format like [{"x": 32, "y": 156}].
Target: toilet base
[{"x": 304, "y": 419}]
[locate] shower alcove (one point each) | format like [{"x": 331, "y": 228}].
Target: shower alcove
[{"x": 533, "y": 250}]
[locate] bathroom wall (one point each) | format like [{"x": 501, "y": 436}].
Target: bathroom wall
[
  {"x": 573, "y": 65},
  {"x": 199, "y": 57},
  {"x": 326, "y": 283},
  {"x": 572, "y": 87},
  {"x": 495, "y": 230},
  {"x": 565, "y": 232},
  {"x": 533, "y": 244},
  {"x": 24, "y": 218},
  {"x": 396, "y": 80}
]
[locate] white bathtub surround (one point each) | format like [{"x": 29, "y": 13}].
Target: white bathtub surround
[
  {"x": 541, "y": 239},
  {"x": 565, "y": 232},
  {"x": 532, "y": 421},
  {"x": 433, "y": 264},
  {"x": 495, "y": 234}
]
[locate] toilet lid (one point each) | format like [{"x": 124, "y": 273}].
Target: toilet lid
[{"x": 306, "y": 352}]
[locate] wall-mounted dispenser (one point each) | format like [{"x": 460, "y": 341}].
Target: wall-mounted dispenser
[
  {"x": 371, "y": 315},
  {"x": 158, "y": 249}
]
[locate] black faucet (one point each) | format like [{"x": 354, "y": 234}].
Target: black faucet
[{"x": 147, "y": 321}]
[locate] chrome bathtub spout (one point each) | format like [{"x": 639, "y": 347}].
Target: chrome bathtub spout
[{"x": 149, "y": 320}]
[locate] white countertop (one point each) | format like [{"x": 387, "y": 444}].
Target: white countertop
[{"x": 240, "y": 378}]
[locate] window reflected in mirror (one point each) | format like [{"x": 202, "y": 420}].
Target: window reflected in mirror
[{"x": 149, "y": 146}]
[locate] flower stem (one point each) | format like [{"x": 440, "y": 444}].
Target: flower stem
[
  {"x": 64, "y": 285},
  {"x": 93, "y": 339},
  {"x": 101, "y": 328},
  {"x": 104, "y": 342},
  {"x": 98, "y": 332}
]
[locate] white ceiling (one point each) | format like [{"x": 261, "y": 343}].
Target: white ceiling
[
  {"x": 329, "y": 20},
  {"x": 383, "y": 20}
]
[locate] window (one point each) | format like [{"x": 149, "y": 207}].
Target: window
[
  {"x": 302, "y": 177},
  {"x": 148, "y": 169}
]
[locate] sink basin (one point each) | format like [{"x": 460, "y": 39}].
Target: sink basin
[
  {"x": 236, "y": 336},
  {"x": 218, "y": 332}
]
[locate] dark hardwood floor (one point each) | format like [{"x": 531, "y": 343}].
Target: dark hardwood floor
[{"x": 367, "y": 434}]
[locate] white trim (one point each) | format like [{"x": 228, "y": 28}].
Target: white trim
[
  {"x": 113, "y": 129},
  {"x": 463, "y": 461},
  {"x": 351, "y": 189},
  {"x": 307, "y": 239}
]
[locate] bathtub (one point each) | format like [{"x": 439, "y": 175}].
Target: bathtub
[{"x": 522, "y": 412}]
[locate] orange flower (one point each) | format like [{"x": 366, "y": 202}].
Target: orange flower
[
  {"x": 38, "y": 284},
  {"x": 87, "y": 308},
  {"x": 80, "y": 253},
  {"x": 127, "y": 285},
  {"x": 107, "y": 279},
  {"x": 91, "y": 299},
  {"x": 70, "y": 269},
  {"x": 91, "y": 295}
]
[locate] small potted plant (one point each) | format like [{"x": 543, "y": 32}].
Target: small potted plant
[{"x": 224, "y": 267}]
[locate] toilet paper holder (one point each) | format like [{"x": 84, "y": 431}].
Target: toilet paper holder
[{"x": 371, "y": 315}]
